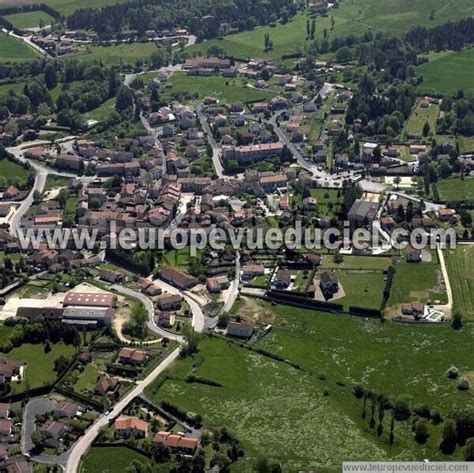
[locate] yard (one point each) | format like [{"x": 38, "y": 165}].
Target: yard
[
  {"x": 357, "y": 262},
  {"x": 329, "y": 201},
  {"x": 361, "y": 288},
  {"x": 39, "y": 368},
  {"x": 461, "y": 276},
  {"x": 53, "y": 181},
  {"x": 13, "y": 173},
  {"x": 110, "y": 460},
  {"x": 30, "y": 19}
]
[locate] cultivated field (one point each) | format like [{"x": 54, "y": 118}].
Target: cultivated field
[
  {"x": 30, "y": 19},
  {"x": 461, "y": 276},
  {"x": 12, "y": 49},
  {"x": 448, "y": 72}
]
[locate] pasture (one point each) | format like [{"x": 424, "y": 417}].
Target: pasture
[
  {"x": 12, "y": 49},
  {"x": 448, "y": 72},
  {"x": 461, "y": 276}
]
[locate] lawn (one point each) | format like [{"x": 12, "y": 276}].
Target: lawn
[
  {"x": 117, "y": 54},
  {"x": 420, "y": 116},
  {"x": 110, "y": 460},
  {"x": 448, "y": 72},
  {"x": 466, "y": 144},
  {"x": 329, "y": 201},
  {"x": 417, "y": 282},
  {"x": 101, "y": 113},
  {"x": 29, "y": 19},
  {"x": 12, "y": 49},
  {"x": 39, "y": 365},
  {"x": 226, "y": 90},
  {"x": 13, "y": 173},
  {"x": 53, "y": 181},
  {"x": 456, "y": 189},
  {"x": 357, "y": 262},
  {"x": 362, "y": 289},
  {"x": 461, "y": 276}
]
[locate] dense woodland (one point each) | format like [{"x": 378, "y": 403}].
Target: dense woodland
[{"x": 205, "y": 18}]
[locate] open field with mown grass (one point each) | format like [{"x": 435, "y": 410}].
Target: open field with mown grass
[
  {"x": 456, "y": 189},
  {"x": 13, "y": 172},
  {"x": 65, "y": 7},
  {"x": 466, "y": 144},
  {"x": 12, "y": 49},
  {"x": 29, "y": 19},
  {"x": 448, "y": 72},
  {"x": 461, "y": 276},
  {"x": 420, "y": 116},
  {"x": 225, "y": 89}
]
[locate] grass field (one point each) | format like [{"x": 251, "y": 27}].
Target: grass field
[
  {"x": 103, "y": 112},
  {"x": 448, "y": 72},
  {"x": 455, "y": 189},
  {"x": 39, "y": 365},
  {"x": 29, "y": 19},
  {"x": 357, "y": 262},
  {"x": 352, "y": 17},
  {"x": 362, "y": 289},
  {"x": 461, "y": 276},
  {"x": 117, "y": 54},
  {"x": 109, "y": 460},
  {"x": 417, "y": 282},
  {"x": 53, "y": 181},
  {"x": 329, "y": 201},
  {"x": 12, "y": 171},
  {"x": 420, "y": 116},
  {"x": 226, "y": 90},
  {"x": 466, "y": 144},
  {"x": 12, "y": 49}
]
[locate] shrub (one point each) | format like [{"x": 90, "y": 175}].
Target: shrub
[
  {"x": 463, "y": 384},
  {"x": 452, "y": 372}
]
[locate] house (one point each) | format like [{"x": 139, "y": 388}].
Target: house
[
  {"x": 166, "y": 319},
  {"x": 4, "y": 410},
  {"x": 15, "y": 465},
  {"x": 8, "y": 369},
  {"x": 282, "y": 279},
  {"x": 69, "y": 409},
  {"x": 413, "y": 256},
  {"x": 106, "y": 385},
  {"x": 11, "y": 193},
  {"x": 5, "y": 427},
  {"x": 134, "y": 427},
  {"x": 310, "y": 204},
  {"x": 177, "y": 278},
  {"x": 132, "y": 356},
  {"x": 213, "y": 285},
  {"x": 314, "y": 259},
  {"x": 170, "y": 302},
  {"x": 362, "y": 212},
  {"x": 243, "y": 329},
  {"x": 445, "y": 214},
  {"x": 109, "y": 275},
  {"x": 251, "y": 271},
  {"x": 388, "y": 223},
  {"x": 54, "y": 429},
  {"x": 329, "y": 283},
  {"x": 176, "y": 442},
  {"x": 68, "y": 162},
  {"x": 251, "y": 152},
  {"x": 414, "y": 308}
]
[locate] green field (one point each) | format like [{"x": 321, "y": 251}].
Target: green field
[
  {"x": 13, "y": 173},
  {"x": 466, "y": 144},
  {"x": 420, "y": 116},
  {"x": 352, "y": 17},
  {"x": 417, "y": 282},
  {"x": 448, "y": 72},
  {"x": 39, "y": 365},
  {"x": 461, "y": 277},
  {"x": 109, "y": 460},
  {"x": 362, "y": 289},
  {"x": 357, "y": 262},
  {"x": 329, "y": 201},
  {"x": 226, "y": 90},
  {"x": 117, "y": 54},
  {"x": 29, "y": 19},
  {"x": 53, "y": 181},
  {"x": 12, "y": 49},
  {"x": 456, "y": 189},
  {"x": 101, "y": 113}
]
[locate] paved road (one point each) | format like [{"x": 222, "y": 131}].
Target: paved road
[
  {"x": 34, "y": 408},
  {"x": 152, "y": 326},
  {"x": 216, "y": 160},
  {"x": 82, "y": 445},
  {"x": 234, "y": 287},
  {"x": 446, "y": 308}
]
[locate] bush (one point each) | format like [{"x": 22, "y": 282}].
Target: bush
[
  {"x": 463, "y": 384},
  {"x": 401, "y": 409},
  {"x": 452, "y": 372},
  {"x": 421, "y": 431}
]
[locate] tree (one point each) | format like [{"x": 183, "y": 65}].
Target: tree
[
  {"x": 421, "y": 431},
  {"x": 124, "y": 99},
  {"x": 343, "y": 54},
  {"x": 464, "y": 424},
  {"x": 157, "y": 60},
  {"x": 426, "y": 129},
  {"x": 401, "y": 409},
  {"x": 50, "y": 76},
  {"x": 469, "y": 450},
  {"x": 37, "y": 197},
  {"x": 448, "y": 437},
  {"x": 313, "y": 28},
  {"x": 456, "y": 321},
  {"x": 192, "y": 341},
  {"x": 63, "y": 196}
]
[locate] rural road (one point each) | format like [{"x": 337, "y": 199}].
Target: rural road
[
  {"x": 82, "y": 445},
  {"x": 216, "y": 161},
  {"x": 447, "y": 308}
]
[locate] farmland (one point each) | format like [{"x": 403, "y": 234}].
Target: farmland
[
  {"x": 29, "y": 19},
  {"x": 12, "y": 49},
  {"x": 448, "y": 72},
  {"x": 461, "y": 275}
]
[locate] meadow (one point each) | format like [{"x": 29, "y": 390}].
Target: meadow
[
  {"x": 30, "y": 19},
  {"x": 12, "y": 49},
  {"x": 109, "y": 459},
  {"x": 448, "y": 72},
  {"x": 461, "y": 276},
  {"x": 456, "y": 189},
  {"x": 420, "y": 116},
  {"x": 65, "y": 7},
  {"x": 11, "y": 171}
]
